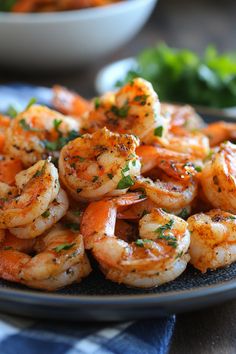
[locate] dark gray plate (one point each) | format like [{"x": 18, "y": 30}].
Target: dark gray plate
[{"x": 96, "y": 298}]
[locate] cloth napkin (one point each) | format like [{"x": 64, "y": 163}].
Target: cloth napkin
[{"x": 24, "y": 336}]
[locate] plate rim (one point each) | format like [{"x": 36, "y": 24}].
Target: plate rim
[{"x": 30, "y": 296}]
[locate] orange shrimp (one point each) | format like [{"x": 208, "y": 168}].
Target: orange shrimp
[
  {"x": 153, "y": 259},
  {"x": 59, "y": 260},
  {"x": 4, "y": 124},
  {"x": 219, "y": 132},
  {"x": 175, "y": 164},
  {"x": 9, "y": 167},
  {"x": 70, "y": 103}
]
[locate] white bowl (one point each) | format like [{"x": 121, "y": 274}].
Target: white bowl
[{"x": 69, "y": 39}]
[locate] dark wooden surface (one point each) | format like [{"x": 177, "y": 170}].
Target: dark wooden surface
[{"x": 181, "y": 23}]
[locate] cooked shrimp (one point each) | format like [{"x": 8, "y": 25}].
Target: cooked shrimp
[
  {"x": 37, "y": 133},
  {"x": 134, "y": 109},
  {"x": 158, "y": 256},
  {"x": 56, "y": 210},
  {"x": 218, "y": 178},
  {"x": 98, "y": 165},
  {"x": 9, "y": 167},
  {"x": 182, "y": 116},
  {"x": 195, "y": 144},
  {"x": 60, "y": 260},
  {"x": 174, "y": 164},
  {"x": 219, "y": 132},
  {"x": 213, "y": 239},
  {"x": 136, "y": 211},
  {"x": 37, "y": 187},
  {"x": 69, "y": 102},
  {"x": 4, "y": 124},
  {"x": 169, "y": 194}
]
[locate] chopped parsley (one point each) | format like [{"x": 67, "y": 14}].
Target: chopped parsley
[
  {"x": 40, "y": 172},
  {"x": 110, "y": 175},
  {"x": 31, "y": 102},
  {"x": 165, "y": 227},
  {"x": 141, "y": 242},
  {"x": 158, "y": 131},
  {"x": 95, "y": 178},
  {"x": 56, "y": 124},
  {"x": 60, "y": 142},
  {"x": 77, "y": 212},
  {"x": 97, "y": 102},
  {"x": 171, "y": 240},
  {"x": 120, "y": 112},
  {"x": 183, "y": 214},
  {"x": 198, "y": 168},
  {"x": 46, "y": 214},
  {"x": 63, "y": 247},
  {"x": 231, "y": 217},
  {"x": 126, "y": 181},
  {"x": 12, "y": 112},
  {"x": 25, "y": 126},
  {"x": 7, "y": 248},
  {"x": 141, "y": 98},
  {"x": 80, "y": 158},
  {"x": 74, "y": 226}
]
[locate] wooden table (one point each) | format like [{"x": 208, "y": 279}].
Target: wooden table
[{"x": 191, "y": 24}]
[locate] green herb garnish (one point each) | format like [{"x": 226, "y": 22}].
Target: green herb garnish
[
  {"x": 207, "y": 80},
  {"x": 97, "y": 102},
  {"x": 141, "y": 242},
  {"x": 24, "y": 125},
  {"x": 120, "y": 112},
  {"x": 158, "y": 131},
  {"x": 165, "y": 227},
  {"x": 32, "y": 101},
  {"x": 12, "y": 112},
  {"x": 63, "y": 247},
  {"x": 46, "y": 214}
]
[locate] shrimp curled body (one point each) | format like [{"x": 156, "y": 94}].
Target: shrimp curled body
[
  {"x": 98, "y": 165},
  {"x": 213, "y": 239},
  {"x": 157, "y": 257}
]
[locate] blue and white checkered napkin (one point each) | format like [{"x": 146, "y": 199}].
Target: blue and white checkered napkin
[{"x": 25, "y": 336}]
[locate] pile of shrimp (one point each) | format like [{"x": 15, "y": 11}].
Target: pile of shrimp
[
  {"x": 56, "y": 5},
  {"x": 142, "y": 187}
]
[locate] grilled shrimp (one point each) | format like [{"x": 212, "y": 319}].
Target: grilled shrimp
[
  {"x": 9, "y": 167},
  {"x": 213, "y": 239},
  {"x": 38, "y": 133},
  {"x": 183, "y": 116},
  {"x": 134, "y": 109},
  {"x": 4, "y": 124},
  {"x": 37, "y": 187},
  {"x": 56, "y": 210},
  {"x": 195, "y": 143},
  {"x": 218, "y": 178},
  {"x": 98, "y": 165},
  {"x": 175, "y": 164},
  {"x": 218, "y": 132},
  {"x": 70, "y": 103},
  {"x": 59, "y": 260},
  {"x": 169, "y": 194},
  {"x": 157, "y": 256}
]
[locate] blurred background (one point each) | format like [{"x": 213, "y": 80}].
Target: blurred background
[{"x": 189, "y": 24}]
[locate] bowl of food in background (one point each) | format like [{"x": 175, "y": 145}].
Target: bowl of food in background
[{"x": 69, "y": 35}]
